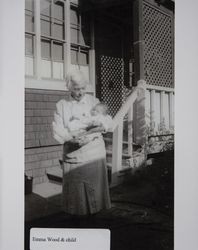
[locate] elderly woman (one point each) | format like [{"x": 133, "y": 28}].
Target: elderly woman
[{"x": 85, "y": 184}]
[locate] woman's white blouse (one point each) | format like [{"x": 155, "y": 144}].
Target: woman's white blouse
[{"x": 67, "y": 109}]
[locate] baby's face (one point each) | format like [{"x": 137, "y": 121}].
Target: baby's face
[{"x": 97, "y": 110}]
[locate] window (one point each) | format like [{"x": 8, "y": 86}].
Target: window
[
  {"x": 46, "y": 41},
  {"x": 52, "y": 39},
  {"x": 29, "y": 37},
  {"x": 79, "y": 38}
]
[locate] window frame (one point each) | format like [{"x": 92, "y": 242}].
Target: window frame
[{"x": 37, "y": 81}]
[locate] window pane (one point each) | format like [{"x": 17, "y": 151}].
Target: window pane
[
  {"x": 45, "y": 49},
  {"x": 29, "y": 66},
  {"x": 29, "y": 45},
  {"x": 74, "y": 17},
  {"x": 58, "y": 51},
  {"x": 74, "y": 56},
  {"x": 29, "y": 5},
  {"x": 58, "y": 70},
  {"x": 58, "y": 11},
  {"x": 83, "y": 58},
  {"x": 58, "y": 30},
  {"x": 45, "y": 26},
  {"x": 85, "y": 30},
  {"x": 46, "y": 68},
  {"x": 45, "y": 7},
  {"x": 29, "y": 22},
  {"x": 74, "y": 36}
]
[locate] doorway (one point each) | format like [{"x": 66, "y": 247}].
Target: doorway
[{"x": 113, "y": 46}]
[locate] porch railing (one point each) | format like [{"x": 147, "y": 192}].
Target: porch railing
[
  {"x": 117, "y": 129},
  {"x": 162, "y": 91},
  {"x": 127, "y": 109}
]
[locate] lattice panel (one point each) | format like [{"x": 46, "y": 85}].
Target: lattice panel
[
  {"x": 112, "y": 81},
  {"x": 158, "y": 55}
]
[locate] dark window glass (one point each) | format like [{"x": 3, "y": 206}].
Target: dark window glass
[
  {"x": 45, "y": 49},
  {"x": 29, "y": 45},
  {"x": 57, "y": 51}
]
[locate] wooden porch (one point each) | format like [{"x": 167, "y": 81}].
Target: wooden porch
[{"x": 130, "y": 69}]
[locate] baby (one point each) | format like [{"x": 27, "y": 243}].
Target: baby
[
  {"x": 98, "y": 116},
  {"x": 83, "y": 129}
]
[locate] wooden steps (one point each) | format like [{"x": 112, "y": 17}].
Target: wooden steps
[
  {"x": 53, "y": 187},
  {"x": 48, "y": 189},
  {"x": 55, "y": 175}
]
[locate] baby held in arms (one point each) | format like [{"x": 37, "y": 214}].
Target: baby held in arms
[{"x": 84, "y": 127}]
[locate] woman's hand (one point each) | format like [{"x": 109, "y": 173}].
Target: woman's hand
[
  {"x": 75, "y": 140},
  {"x": 83, "y": 140},
  {"x": 96, "y": 129},
  {"x": 80, "y": 141}
]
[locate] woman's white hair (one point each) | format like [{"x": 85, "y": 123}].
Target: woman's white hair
[{"x": 75, "y": 76}]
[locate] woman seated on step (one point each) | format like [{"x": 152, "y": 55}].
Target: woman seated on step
[{"x": 85, "y": 184}]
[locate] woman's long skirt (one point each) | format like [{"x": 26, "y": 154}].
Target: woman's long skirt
[
  {"x": 85, "y": 182},
  {"x": 85, "y": 187}
]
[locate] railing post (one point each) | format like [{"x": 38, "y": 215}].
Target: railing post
[
  {"x": 117, "y": 148},
  {"x": 162, "y": 107},
  {"x": 171, "y": 122},
  {"x": 140, "y": 114},
  {"x": 152, "y": 110},
  {"x": 130, "y": 131}
]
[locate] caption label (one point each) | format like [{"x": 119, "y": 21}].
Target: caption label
[{"x": 70, "y": 239}]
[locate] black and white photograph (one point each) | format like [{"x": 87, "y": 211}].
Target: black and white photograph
[
  {"x": 99, "y": 119},
  {"x": 120, "y": 172}
]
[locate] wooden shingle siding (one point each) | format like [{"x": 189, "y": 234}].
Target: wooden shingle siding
[
  {"x": 41, "y": 150},
  {"x": 39, "y": 111},
  {"x": 38, "y": 160}
]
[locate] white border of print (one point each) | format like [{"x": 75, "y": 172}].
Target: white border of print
[
  {"x": 12, "y": 125},
  {"x": 186, "y": 184}
]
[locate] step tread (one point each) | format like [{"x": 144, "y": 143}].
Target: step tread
[
  {"x": 107, "y": 139},
  {"x": 47, "y": 189},
  {"x": 58, "y": 172},
  {"x": 109, "y": 152},
  {"x": 125, "y": 170}
]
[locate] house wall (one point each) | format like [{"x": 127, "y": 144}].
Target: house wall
[
  {"x": 41, "y": 150},
  {"x": 54, "y": 43}
]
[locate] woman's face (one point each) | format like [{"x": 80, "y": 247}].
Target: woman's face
[{"x": 78, "y": 90}]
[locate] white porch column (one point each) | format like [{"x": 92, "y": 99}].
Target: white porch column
[
  {"x": 38, "y": 65},
  {"x": 117, "y": 148}
]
